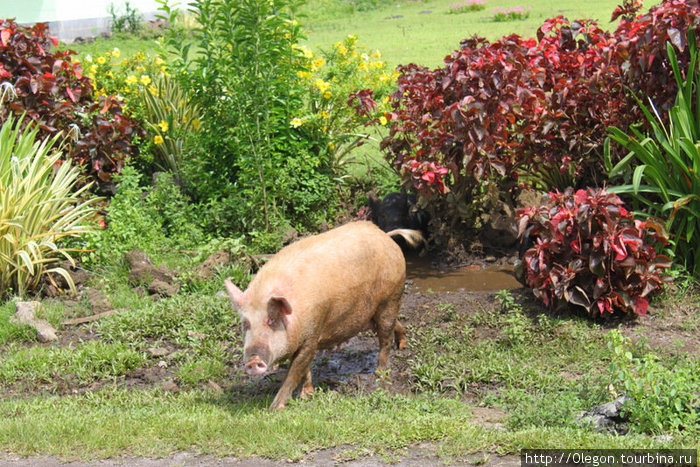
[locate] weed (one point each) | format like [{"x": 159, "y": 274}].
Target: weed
[{"x": 662, "y": 397}]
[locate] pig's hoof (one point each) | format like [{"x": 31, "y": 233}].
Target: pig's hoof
[
  {"x": 306, "y": 391},
  {"x": 276, "y": 407}
]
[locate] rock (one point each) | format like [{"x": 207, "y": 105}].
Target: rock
[
  {"x": 143, "y": 271},
  {"x": 207, "y": 270},
  {"x": 54, "y": 284},
  {"x": 290, "y": 235},
  {"x": 530, "y": 198},
  {"x": 196, "y": 335},
  {"x": 215, "y": 387},
  {"x": 26, "y": 314},
  {"x": 98, "y": 301},
  {"x": 158, "y": 351},
  {"x": 607, "y": 418},
  {"x": 170, "y": 386},
  {"x": 163, "y": 289}
]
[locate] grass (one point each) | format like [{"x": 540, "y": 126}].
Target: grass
[
  {"x": 113, "y": 422},
  {"x": 405, "y": 32},
  {"x": 424, "y": 32}
]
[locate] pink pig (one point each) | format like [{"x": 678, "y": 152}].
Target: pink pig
[{"x": 319, "y": 292}]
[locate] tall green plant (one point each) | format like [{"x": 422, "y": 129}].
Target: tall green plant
[
  {"x": 38, "y": 207},
  {"x": 667, "y": 177},
  {"x": 244, "y": 77},
  {"x": 171, "y": 118}
]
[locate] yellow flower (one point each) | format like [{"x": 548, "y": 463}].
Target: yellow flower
[
  {"x": 159, "y": 61},
  {"x": 382, "y": 120},
  {"x": 163, "y": 126},
  {"x": 327, "y": 94},
  {"x": 318, "y": 63},
  {"x": 376, "y": 54},
  {"x": 145, "y": 80},
  {"x": 384, "y": 77},
  {"x": 131, "y": 79},
  {"x": 294, "y": 22},
  {"x": 325, "y": 114},
  {"x": 331, "y": 146},
  {"x": 196, "y": 124},
  {"x": 93, "y": 68},
  {"x": 322, "y": 85},
  {"x": 158, "y": 139},
  {"x": 364, "y": 66},
  {"x": 153, "y": 90},
  {"x": 101, "y": 60},
  {"x": 342, "y": 50},
  {"x": 116, "y": 52},
  {"x": 296, "y": 122},
  {"x": 110, "y": 74}
]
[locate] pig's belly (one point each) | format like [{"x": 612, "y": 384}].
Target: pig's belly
[{"x": 331, "y": 338}]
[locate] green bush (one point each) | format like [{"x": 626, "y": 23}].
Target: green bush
[
  {"x": 152, "y": 221},
  {"x": 39, "y": 207},
  {"x": 249, "y": 165},
  {"x": 661, "y": 398},
  {"x": 666, "y": 178}
]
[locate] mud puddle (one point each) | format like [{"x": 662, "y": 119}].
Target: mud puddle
[{"x": 422, "y": 276}]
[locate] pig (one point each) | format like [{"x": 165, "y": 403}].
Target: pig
[
  {"x": 398, "y": 210},
  {"x": 316, "y": 294}
]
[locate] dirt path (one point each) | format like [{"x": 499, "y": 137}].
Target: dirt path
[{"x": 418, "y": 456}]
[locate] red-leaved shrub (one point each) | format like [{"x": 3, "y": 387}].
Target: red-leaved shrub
[
  {"x": 537, "y": 108},
  {"x": 589, "y": 251},
  {"x": 50, "y": 88}
]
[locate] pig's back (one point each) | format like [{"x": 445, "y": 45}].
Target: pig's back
[{"x": 353, "y": 264}]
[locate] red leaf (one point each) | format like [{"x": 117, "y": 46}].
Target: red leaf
[
  {"x": 5, "y": 36},
  {"x": 69, "y": 91}
]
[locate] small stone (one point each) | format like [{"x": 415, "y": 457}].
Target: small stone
[
  {"x": 163, "y": 288},
  {"x": 212, "y": 385},
  {"x": 162, "y": 364},
  {"x": 26, "y": 314},
  {"x": 158, "y": 351},
  {"x": 170, "y": 386}
]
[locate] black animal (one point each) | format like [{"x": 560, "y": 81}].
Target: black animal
[{"x": 398, "y": 211}]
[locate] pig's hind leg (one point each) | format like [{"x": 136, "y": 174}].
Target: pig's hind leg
[
  {"x": 307, "y": 386},
  {"x": 386, "y": 327},
  {"x": 399, "y": 335},
  {"x": 300, "y": 368}
]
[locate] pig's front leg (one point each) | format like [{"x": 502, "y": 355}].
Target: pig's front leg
[{"x": 300, "y": 368}]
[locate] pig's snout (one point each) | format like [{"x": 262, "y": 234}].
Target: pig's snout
[{"x": 255, "y": 366}]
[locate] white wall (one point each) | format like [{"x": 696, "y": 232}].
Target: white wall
[
  {"x": 69, "y": 19},
  {"x": 32, "y": 11}
]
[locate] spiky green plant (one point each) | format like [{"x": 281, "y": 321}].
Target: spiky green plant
[
  {"x": 667, "y": 179},
  {"x": 171, "y": 117},
  {"x": 39, "y": 206}
]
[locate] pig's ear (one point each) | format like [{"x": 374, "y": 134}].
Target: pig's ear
[
  {"x": 235, "y": 293},
  {"x": 278, "y": 306}
]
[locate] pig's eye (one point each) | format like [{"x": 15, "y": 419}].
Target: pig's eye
[
  {"x": 246, "y": 325},
  {"x": 272, "y": 322}
]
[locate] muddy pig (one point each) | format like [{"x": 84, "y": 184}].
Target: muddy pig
[{"x": 319, "y": 292}]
